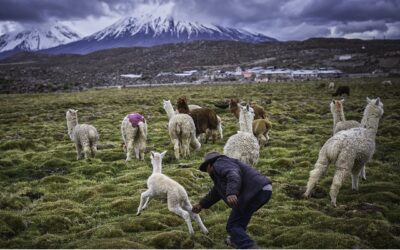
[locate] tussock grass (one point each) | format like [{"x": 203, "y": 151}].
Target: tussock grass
[{"x": 51, "y": 200}]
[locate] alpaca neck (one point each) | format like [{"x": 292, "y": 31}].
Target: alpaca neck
[
  {"x": 370, "y": 122},
  {"x": 157, "y": 167},
  {"x": 245, "y": 123},
  {"x": 338, "y": 116},
  {"x": 71, "y": 124},
  {"x": 170, "y": 111}
]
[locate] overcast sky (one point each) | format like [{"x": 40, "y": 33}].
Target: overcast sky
[{"x": 284, "y": 20}]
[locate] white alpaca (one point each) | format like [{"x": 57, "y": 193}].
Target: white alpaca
[
  {"x": 85, "y": 136},
  {"x": 244, "y": 145},
  {"x": 134, "y": 135},
  {"x": 161, "y": 186},
  {"x": 340, "y": 123},
  {"x": 331, "y": 86},
  {"x": 349, "y": 150},
  {"x": 182, "y": 131}
]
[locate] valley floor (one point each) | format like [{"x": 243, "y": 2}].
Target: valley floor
[{"x": 49, "y": 199}]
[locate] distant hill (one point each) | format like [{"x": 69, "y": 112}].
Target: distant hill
[{"x": 35, "y": 72}]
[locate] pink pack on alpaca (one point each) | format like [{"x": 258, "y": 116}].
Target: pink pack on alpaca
[{"x": 135, "y": 118}]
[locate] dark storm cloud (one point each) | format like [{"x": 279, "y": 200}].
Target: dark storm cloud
[
  {"x": 289, "y": 19},
  {"x": 44, "y": 10}
]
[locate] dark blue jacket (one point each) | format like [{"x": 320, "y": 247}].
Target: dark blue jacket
[{"x": 231, "y": 176}]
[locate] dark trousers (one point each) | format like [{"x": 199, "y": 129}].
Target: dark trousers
[{"x": 240, "y": 218}]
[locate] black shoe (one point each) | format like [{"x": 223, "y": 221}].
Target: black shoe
[{"x": 228, "y": 242}]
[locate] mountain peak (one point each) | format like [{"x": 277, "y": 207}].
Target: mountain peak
[{"x": 37, "y": 38}]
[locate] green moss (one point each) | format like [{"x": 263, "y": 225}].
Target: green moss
[
  {"x": 48, "y": 241},
  {"x": 59, "y": 202},
  {"x": 125, "y": 205},
  {"x": 12, "y": 202},
  {"x": 114, "y": 243},
  {"x": 105, "y": 231},
  {"x": 12, "y": 224},
  {"x": 17, "y": 144},
  {"x": 172, "y": 239},
  {"x": 54, "y": 179}
]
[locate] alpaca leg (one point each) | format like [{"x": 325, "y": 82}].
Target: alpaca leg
[
  {"x": 175, "y": 208},
  {"x": 137, "y": 152},
  {"x": 142, "y": 149},
  {"x": 78, "y": 151},
  {"x": 221, "y": 132},
  {"x": 146, "y": 203},
  {"x": 176, "y": 148},
  {"x": 341, "y": 173},
  {"x": 196, "y": 217},
  {"x": 186, "y": 147},
  {"x": 144, "y": 196},
  {"x": 354, "y": 180},
  {"x": 129, "y": 150},
  {"x": 86, "y": 150},
  {"x": 214, "y": 135},
  {"x": 363, "y": 173},
  {"x": 93, "y": 149},
  {"x": 319, "y": 169}
]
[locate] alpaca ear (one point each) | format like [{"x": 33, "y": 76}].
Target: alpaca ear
[
  {"x": 333, "y": 101},
  {"x": 151, "y": 154},
  {"x": 248, "y": 107},
  {"x": 377, "y": 101},
  {"x": 163, "y": 154},
  {"x": 368, "y": 100}
]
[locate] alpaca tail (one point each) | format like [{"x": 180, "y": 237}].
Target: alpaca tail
[
  {"x": 93, "y": 134},
  {"x": 319, "y": 169},
  {"x": 194, "y": 142}
]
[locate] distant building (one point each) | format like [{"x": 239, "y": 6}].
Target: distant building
[
  {"x": 132, "y": 76},
  {"x": 344, "y": 57},
  {"x": 304, "y": 74}
]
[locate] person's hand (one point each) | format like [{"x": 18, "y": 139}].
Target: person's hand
[
  {"x": 232, "y": 199},
  {"x": 196, "y": 208}
]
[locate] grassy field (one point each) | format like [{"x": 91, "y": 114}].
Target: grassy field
[{"x": 49, "y": 199}]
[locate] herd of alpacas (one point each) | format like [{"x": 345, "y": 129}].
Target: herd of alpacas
[{"x": 349, "y": 149}]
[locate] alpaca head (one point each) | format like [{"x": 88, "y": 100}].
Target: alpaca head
[
  {"x": 166, "y": 104},
  {"x": 337, "y": 110},
  {"x": 72, "y": 114},
  {"x": 246, "y": 118},
  {"x": 156, "y": 161},
  {"x": 372, "y": 113},
  {"x": 233, "y": 107},
  {"x": 182, "y": 105}
]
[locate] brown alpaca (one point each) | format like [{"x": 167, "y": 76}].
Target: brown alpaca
[
  {"x": 259, "y": 112},
  {"x": 205, "y": 119},
  {"x": 182, "y": 105},
  {"x": 233, "y": 107}
]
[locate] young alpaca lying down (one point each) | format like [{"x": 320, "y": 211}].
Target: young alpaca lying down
[{"x": 161, "y": 186}]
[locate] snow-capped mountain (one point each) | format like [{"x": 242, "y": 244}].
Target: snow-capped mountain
[
  {"x": 37, "y": 39},
  {"x": 148, "y": 30}
]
